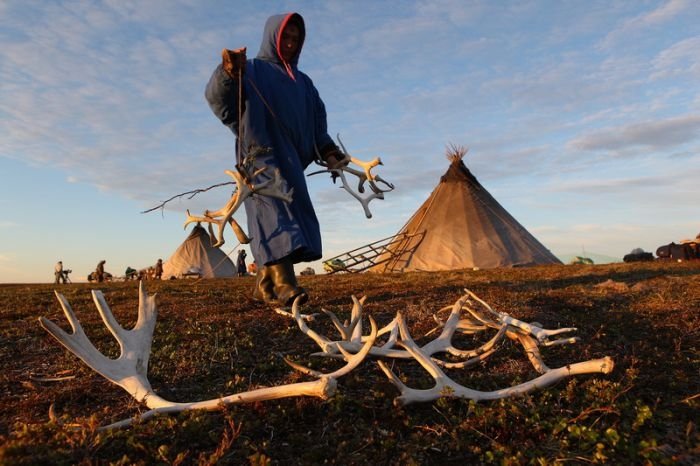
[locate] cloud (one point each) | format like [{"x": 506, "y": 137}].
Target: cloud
[
  {"x": 681, "y": 58},
  {"x": 660, "y": 134},
  {"x": 656, "y": 17}
]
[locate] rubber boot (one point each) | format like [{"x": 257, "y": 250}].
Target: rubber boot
[
  {"x": 264, "y": 286},
  {"x": 286, "y": 287}
]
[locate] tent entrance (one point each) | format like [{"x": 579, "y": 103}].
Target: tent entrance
[{"x": 395, "y": 248}]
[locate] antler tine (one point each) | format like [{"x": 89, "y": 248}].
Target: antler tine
[
  {"x": 273, "y": 188},
  {"x": 364, "y": 201},
  {"x": 344, "y": 333},
  {"x": 355, "y": 360},
  {"x": 444, "y": 341},
  {"x": 76, "y": 342},
  {"x": 326, "y": 345},
  {"x": 129, "y": 370},
  {"x": 540, "y": 333},
  {"x": 356, "y": 318},
  {"x": 352, "y": 360},
  {"x": 366, "y": 174}
]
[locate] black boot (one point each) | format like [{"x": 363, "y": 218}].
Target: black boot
[
  {"x": 286, "y": 287},
  {"x": 264, "y": 286}
]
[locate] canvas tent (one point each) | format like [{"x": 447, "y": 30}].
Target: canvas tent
[
  {"x": 196, "y": 253},
  {"x": 462, "y": 226}
]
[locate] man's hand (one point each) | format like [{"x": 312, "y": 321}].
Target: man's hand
[
  {"x": 337, "y": 160},
  {"x": 333, "y": 156},
  {"x": 233, "y": 61}
]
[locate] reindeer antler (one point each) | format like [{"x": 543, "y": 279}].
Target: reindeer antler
[
  {"x": 444, "y": 386},
  {"x": 245, "y": 188},
  {"x": 363, "y": 175},
  {"x": 129, "y": 370}
]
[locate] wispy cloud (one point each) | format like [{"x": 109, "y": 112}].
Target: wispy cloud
[
  {"x": 682, "y": 58},
  {"x": 630, "y": 27},
  {"x": 668, "y": 133}
]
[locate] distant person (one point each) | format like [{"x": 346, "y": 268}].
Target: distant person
[
  {"x": 158, "y": 270},
  {"x": 100, "y": 271},
  {"x": 240, "y": 263},
  {"x": 129, "y": 273},
  {"x": 58, "y": 273}
]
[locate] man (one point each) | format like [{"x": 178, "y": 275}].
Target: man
[
  {"x": 240, "y": 263},
  {"x": 100, "y": 271},
  {"x": 283, "y": 125},
  {"x": 58, "y": 273},
  {"x": 158, "y": 270},
  {"x": 129, "y": 273}
]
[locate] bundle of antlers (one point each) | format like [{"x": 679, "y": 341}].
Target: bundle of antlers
[
  {"x": 468, "y": 315},
  {"x": 273, "y": 186}
]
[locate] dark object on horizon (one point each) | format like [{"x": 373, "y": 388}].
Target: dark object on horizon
[
  {"x": 638, "y": 257},
  {"x": 92, "y": 277},
  {"x": 581, "y": 260},
  {"x": 678, "y": 252}
]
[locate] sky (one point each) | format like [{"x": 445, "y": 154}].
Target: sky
[{"x": 581, "y": 118}]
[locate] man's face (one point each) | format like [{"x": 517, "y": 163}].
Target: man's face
[{"x": 289, "y": 44}]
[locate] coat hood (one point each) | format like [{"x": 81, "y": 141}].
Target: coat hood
[{"x": 269, "y": 47}]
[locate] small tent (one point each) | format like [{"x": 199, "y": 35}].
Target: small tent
[
  {"x": 462, "y": 226},
  {"x": 196, "y": 255}
]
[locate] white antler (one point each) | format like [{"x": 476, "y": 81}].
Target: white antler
[
  {"x": 129, "y": 370},
  {"x": 273, "y": 187},
  {"x": 446, "y": 387},
  {"x": 476, "y": 320},
  {"x": 351, "y": 334},
  {"x": 363, "y": 175}
]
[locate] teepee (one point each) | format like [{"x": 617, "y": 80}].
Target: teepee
[
  {"x": 196, "y": 255},
  {"x": 462, "y": 226}
]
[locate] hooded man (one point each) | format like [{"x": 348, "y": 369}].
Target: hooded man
[{"x": 282, "y": 126}]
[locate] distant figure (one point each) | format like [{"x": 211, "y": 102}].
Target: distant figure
[
  {"x": 253, "y": 268},
  {"x": 130, "y": 273},
  {"x": 240, "y": 263},
  {"x": 100, "y": 271},
  {"x": 158, "y": 272},
  {"x": 58, "y": 273}
]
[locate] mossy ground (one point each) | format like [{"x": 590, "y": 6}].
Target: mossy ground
[{"x": 211, "y": 339}]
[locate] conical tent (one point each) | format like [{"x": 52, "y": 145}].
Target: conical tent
[
  {"x": 196, "y": 254},
  {"x": 462, "y": 226}
]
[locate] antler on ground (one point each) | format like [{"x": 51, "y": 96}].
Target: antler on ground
[
  {"x": 446, "y": 387},
  {"x": 130, "y": 369},
  {"x": 477, "y": 319}
]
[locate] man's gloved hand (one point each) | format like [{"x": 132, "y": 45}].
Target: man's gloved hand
[
  {"x": 334, "y": 158},
  {"x": 337, "y": 160},
  {"x": 233, "y": 61}
]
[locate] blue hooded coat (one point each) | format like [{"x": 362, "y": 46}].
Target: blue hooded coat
[{"x": 282, "y": 112}]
